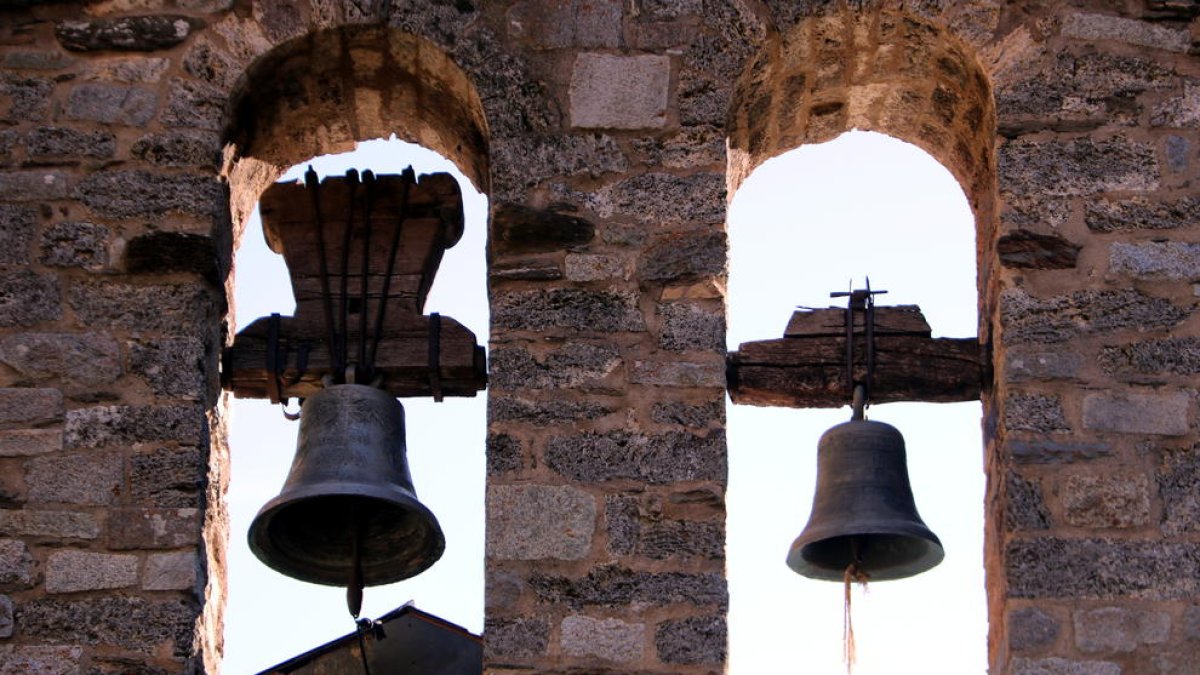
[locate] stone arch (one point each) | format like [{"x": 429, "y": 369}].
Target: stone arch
[
  {"x": 912, "y": 77},
  {"x": 887, "y": 71},
  {"x": 323, "y": 92}
]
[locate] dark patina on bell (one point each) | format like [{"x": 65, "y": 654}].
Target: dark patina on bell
[
  {"x": 863, "y": 510},
  {"x": 348, "y": 514}
]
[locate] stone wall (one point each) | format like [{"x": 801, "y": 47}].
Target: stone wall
[{"x": 135, "y": 136}]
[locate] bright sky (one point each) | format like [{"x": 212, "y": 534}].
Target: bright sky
[{"x": 801, "y": 226}]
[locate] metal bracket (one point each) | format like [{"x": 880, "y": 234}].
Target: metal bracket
[{"x": 860, "y": 299}]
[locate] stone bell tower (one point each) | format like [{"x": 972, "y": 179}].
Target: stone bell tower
[{"x": 609, "y": 135}]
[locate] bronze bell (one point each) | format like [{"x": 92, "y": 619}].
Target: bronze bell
[
  {"x": 348, "y": 515},
  {"x": 863, "y": 510}
]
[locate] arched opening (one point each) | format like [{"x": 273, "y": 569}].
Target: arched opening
[
  {"x": 909, "y": 78},
  {"x": 326, "y": 93},
  {"x": 804, "y": 224}
]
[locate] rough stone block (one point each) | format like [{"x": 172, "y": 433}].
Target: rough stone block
[
  {"x": 572, "y": 24},
  {"x": 72, "y": 571},
  {"x": 694, "y": 416},
  {"x": 118, "y": 424},
  {"x": 663, "y": 458},
  {"x": 44, "y": 185},
  {"x": 515, "y": 638},
  {"x": 619, "y": 92},
  {"x": 146, "y": 626},
  {"x": 1025, "y": 507},
  {"x": 1036, "y": 413},
  {"x": 1086, "y": 26},
  {"x": 678, "y": 374},
  {"x": 1140, "y": 213},
  {"x": 168, "y": 477},
  {"x": 192, "y": 104},
  {"x": 6, "y": 616},
  {"x": 1029, "y": 628},
  {"x": 210, "y": 63},
  {"x": 16, "y": 232},
  {"x": 504, "y": 454},
  {"x": 1041, "y": 451},
  {"x": 700, "y": 639},
  {"x": 121, "y": 104},
  {"x": 692, "y": 146},
  {"x": 665, "y": 201},
  {"x": 170, "y": 571},
  {"x": 1177, "y": 355},
  {"x": 1052, "y": 567},
  {"x": 1158, "y": 414},
  {"x": 598, "y": 311},
  {"x": 633, "y": 532},
  {"x": 135, "y": 193},
  {"x": 92, "y": 478},
  {"x": 35, "y": 59},
  {"x": 585, "y": 267},
  {"x": 178, "y": 149},
  {"x": 608, "y": 639},
  {"x": 1060, "y": 666},
  {"x": 144, "y": 33},
  {"x": 52, "y": 142},
  {"x": 532, "y": 522},
  {"x": 30, "y": 442},
  {"x": 128, "y": 70},
  {"x": 1178, "y": 152},
  {"x": 523, "y": 161},
  {"x": 130, "y": 528},
  {"x": 163, "y": 308},
  {"x": 683, "y": 257},
  {"x": 75, "y": 244},
  {"x": 1191, "y": 623},
  {"x": 30, "y": 405},
  {"x": 24, "y": 99},
  {"x": 1037, "y": 364},
  {"x": 1080, "y": 166},
  {"x": 1119, "y": 629},
  {"x": 28, "y": 298},
  {"x": 544, "y": 412},
  {"x": 1027, "y": 319},
  {"x": 55, "y": 524},
  {"x": 1177, "y": 478},
  {"x": 526, "y": 269},
  {"x": 16, "y": 564},
  {"x": 521, "y": 229},
  {"x": 167, "y": 252},
  {"x": 615, "y": 586},
  {"x": 40, "y": 660},
  {"x": 1078, "y": 90},
  {"x": 88, "y": 358},
  {"x": 687, "y": 325},
  {"x": 1181, "y": 111},
  {"x": 1156, "y": 260},
  {"x": 573, "y": 365},
  {"x": 1106, "y": 501},
  {"x": 1029, "y": 250},
  {"x": 174, "y": 367}
]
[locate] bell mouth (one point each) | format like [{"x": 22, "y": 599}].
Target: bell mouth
[
  {"x": 311, "y": 537},
  {"x": 883, "y": 556}
]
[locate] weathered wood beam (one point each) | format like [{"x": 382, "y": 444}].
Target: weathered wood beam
[
  {"x": 403, "y": 360},
  {"x": 811, "y": 372}
]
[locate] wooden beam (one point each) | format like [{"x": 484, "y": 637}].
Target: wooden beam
[
  {"x": 403, "y": 360},
  {"x": 831, "y": 322}
]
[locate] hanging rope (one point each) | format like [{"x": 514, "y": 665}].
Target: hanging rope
[{"x": 854, "y": 574}]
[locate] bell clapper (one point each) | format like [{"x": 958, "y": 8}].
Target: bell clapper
[{"x": 354, "y": 591}]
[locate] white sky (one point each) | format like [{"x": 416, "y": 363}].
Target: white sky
[{"x": 802, "y": 225}]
